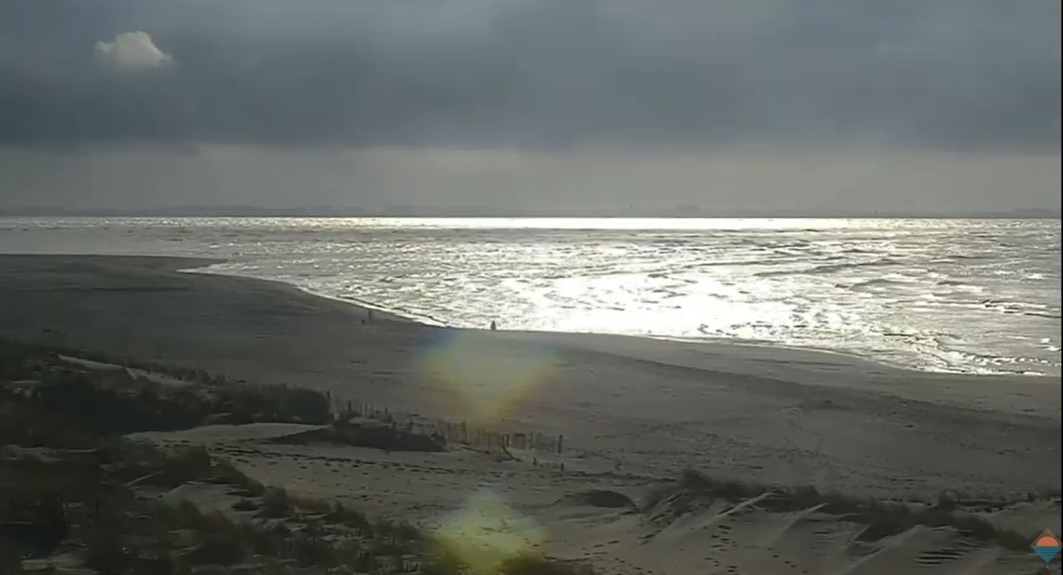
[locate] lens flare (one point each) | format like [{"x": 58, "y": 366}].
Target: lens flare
[
  {"x": 486, "y": 532},
  {"x": 485, "y": 377}
]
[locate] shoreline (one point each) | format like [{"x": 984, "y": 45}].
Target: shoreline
[
  {"x": 585, "y": 341},
  {"x": 47, "y": 215},
  {"x": 854, "y": 356},
  {"x": 785, "y": 416},
  {"x": 394, "y": 315}
]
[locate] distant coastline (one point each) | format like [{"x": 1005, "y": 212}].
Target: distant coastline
[{"x": 471, "y": 212}]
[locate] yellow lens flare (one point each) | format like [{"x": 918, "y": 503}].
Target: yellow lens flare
[
  {"x": 486, "y": 532},
  {"x": 483, "y": 378}
]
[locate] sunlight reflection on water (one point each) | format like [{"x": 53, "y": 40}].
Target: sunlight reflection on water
[{"x": 963, "y": 295}]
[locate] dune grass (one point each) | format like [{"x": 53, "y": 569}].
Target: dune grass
[
  {"x": 880, "y": 518},
  {"x": 70, "y": 478}
]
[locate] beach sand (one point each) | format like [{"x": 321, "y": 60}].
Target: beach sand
[{"x": 632, "y": 412}]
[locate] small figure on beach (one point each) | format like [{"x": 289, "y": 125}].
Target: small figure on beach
[
  {"x": 493, "y": 325},
  {"x": 370, "y": 315}
]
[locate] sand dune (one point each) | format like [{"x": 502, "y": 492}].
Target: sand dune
[
  {"x": 716, "y": 539},
  {"x": 612, "y": 522}
]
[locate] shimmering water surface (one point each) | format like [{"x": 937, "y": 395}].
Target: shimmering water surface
[{"x": 956, "y": 295}]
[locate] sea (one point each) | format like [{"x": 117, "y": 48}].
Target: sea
[{"x": 971, "y": 296}]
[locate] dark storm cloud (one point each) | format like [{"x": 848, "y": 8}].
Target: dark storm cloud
[{"x": 941, "y": 73}]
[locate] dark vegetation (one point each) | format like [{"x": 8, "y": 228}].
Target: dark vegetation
[
  {"x": 881, "y": 518},
  {"x": 114, "y": 401},
  {"x": 368, "y": 434},
  {"x": 70, "y": 483},
  {"x": 603, "y": 498}
]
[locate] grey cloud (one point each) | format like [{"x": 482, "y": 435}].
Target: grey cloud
[{"x": 954, "y": 74}]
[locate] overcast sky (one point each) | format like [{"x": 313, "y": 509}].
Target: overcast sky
[{"x": 745, "y": 103}]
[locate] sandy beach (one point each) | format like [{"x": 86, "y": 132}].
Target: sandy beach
[{"x": 633, "y": 412}]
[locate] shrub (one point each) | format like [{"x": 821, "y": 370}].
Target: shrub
[
  {"x": 216, "y": 550},
  {"x": 310, "y": 551},
  {"x": 245, "y": 505},
  {"x": 105, "y": 553},
  {"x": 275, "y": 503},
  {"x": 349, "y": 517},
  {"x": 10, "y": 560}
]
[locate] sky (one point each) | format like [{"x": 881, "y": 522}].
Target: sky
[{"x": 561, "y": 104}]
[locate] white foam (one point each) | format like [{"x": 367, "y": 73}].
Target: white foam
[{"x": 688, "y": 282}]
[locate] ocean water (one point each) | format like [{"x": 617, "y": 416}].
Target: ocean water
[{"x": 946, "y": 295}]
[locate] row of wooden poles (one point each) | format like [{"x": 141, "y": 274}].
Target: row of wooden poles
[{"x": 477, "y": 437}]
